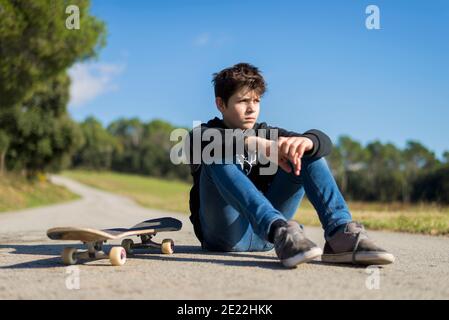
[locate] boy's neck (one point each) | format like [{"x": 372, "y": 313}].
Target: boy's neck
[{"x": 227, "y": 125}]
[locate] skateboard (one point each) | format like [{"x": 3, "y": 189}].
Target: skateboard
[{"x": 94, "y": 240}]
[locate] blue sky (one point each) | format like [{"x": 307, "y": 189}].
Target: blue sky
[{"x": 324, "y": 68}]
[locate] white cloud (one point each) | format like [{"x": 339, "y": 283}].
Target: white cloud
[
  {"x": 202, "y": 39},
  {"x": 207, "y": 39},
  {"x": 90, "y": 80}
]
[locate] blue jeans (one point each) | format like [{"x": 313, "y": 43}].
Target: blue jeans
[{"x": 236, "y": 216}]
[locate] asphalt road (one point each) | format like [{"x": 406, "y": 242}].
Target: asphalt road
[{"x": 30, "y": 266}]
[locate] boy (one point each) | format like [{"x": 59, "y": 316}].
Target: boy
[{"x": 235, "y": 206}]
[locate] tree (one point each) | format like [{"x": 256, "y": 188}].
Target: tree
[
  {"x": 446, "y": 157},
  {"x": 383, "y": 172},
  {"x": 129, "y": 133},
  {"x": 348, "y": 156},
  {"x": 35, "y": 44},
  {"x": 156, "y": 149},
  {"x": 417, "y": 156},
  {"x": 98, "y": 147},
  {"x": 146, "y": 148},
  {"x": 4, "y": 144},
  {"x": 433, "y": 186},
  {"x": 417, "y": 160},
  {"x": 44, "y": 135},
  {"x": 36, "y": 49}
]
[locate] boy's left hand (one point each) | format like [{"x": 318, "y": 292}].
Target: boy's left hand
[{"x": 293, "y": 148}]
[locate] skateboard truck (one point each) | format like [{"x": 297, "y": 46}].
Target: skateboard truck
[
  {"x": 166, "y": 247},
  {"x": 117, "y": 255}
]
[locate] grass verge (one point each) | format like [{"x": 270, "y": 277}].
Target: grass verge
[
  {"x": 148, "y": 192},
  {"x": 17, "y": 193}
]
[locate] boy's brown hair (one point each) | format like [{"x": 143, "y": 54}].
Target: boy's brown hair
[{"x": 230, "y": 80}]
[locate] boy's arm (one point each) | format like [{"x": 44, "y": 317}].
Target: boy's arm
[
  {"x": 322, "y": 144},
  {"x": 228, "y": 146}
]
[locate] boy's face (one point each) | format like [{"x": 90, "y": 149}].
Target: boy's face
[{"x": 242, "y": 109}]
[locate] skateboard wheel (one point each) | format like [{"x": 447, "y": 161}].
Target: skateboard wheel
[
  {"x": 167, "y": 246},
  {"x": 69, "y": 256},
  {"x": 117, "y": 256},
  {"x": 128, "y": 244}
]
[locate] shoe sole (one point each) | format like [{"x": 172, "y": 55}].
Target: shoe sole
[
  {"x": 302, "y": 257},
  {"x": 364, "y": 258}
]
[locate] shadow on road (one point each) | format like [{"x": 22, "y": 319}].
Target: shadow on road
[
  {"x": 258, "y": 261},
  {"x": 41, "y": 250},
  {"x": 56, "y": 249},
  {"x": 196, "y": 254}
]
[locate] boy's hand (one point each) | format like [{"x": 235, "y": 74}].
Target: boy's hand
[
  {"x": 293, "y": 148},
  {"x": 289, "y": 149}
]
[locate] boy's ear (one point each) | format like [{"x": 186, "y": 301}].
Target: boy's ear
[{"x": 220, "y": 104}]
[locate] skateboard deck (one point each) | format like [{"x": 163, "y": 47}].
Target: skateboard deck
[
  {"x": 95, "y": 238},
  {"x": 89, "y": 235}
]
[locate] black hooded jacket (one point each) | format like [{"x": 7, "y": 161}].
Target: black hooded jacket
[{"x": 322, "y": 146}]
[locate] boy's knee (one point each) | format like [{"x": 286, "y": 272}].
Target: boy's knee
[
  {"x": 309, "y": 163},
  {"x": 236, "y": 237}
]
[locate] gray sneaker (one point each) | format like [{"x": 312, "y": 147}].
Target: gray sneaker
[
  {"x": 292, "y": 247},
  {"x": 352, "y": 245}
]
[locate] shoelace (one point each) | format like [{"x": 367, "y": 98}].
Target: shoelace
[{"x": 360, "y": 232}]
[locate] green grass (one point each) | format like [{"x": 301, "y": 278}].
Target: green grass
[
  {"x": 18, "y": 193},
  {"x": 174, "y": 196},
  {"x": 148, "y": 192},
  {"x": 425, "y": 219}
]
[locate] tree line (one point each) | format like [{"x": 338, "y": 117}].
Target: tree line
[
  {"x": 375, "y": 172},
  {"x": 383, "y": 172},
  {"x": 129, "y": 145}
]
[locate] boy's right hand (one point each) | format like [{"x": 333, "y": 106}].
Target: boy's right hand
[
  {"x": 292, "y": 149},
  {"x": 274, "y": 152}
]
